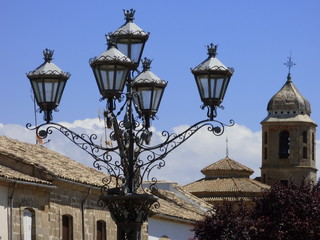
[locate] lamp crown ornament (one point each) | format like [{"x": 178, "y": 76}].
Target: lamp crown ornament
[
  {"x": 146, "y": 64},
  {"x": 47, "y": 53},
  {"x": 212, "y": 50},
  {"x": 110, "y": 41},
  {"x": 129, "y": 14}
]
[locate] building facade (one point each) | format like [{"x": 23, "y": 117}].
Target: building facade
[
  {"x": 288, "y": 138},
  {"x": 45, "y": 195}
]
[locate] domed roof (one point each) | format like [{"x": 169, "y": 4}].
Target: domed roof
[
  {"x": 289, "y": 100},
  {"x": 227, "y": 167}
]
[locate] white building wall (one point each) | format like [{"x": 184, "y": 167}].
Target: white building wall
[
  {"x": 174, "y": 230},
  {"x": 3, "y": 213}
]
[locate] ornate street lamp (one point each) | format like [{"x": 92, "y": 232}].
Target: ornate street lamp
[
  {"x": 212, "y": 78},
  {"x": 48, "y": 82},
  {"x": 111, "y": 71},
  {"x": 150, "y": 89},
  {"x": 129, "y": 38},
  {"x": 130, "y": 159}
]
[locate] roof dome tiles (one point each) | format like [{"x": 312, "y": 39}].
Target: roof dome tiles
[
  {"x": 227, "y": 167},
  {"x": 289, "y": 99}
]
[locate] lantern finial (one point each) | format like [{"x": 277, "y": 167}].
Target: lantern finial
[
  {"x": 212, "y": 50},
  {"x": 110, "y": 41},
  {"x": 146, "y": 63},
  {"x": 129, "y": 14},
  {"x": 47, "y": 53}
]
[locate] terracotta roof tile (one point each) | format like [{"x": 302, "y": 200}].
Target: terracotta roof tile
[
  {"x": 226, "y": 185},
  {"x": 8, "y": 173},
  {"x": 180, "y": 204},
  {"x": 227, "y": 166},
  {"x": 50, "y": 161}
]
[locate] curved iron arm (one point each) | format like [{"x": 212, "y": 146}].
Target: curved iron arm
[
  {"x": 154, "y": 155},
  {"x": 139, "y": 160}
]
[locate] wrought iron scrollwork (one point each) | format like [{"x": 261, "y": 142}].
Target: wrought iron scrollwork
[{"x": 115, "y": 160}]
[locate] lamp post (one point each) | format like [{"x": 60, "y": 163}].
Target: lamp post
[{"x": 131, "y": 159}]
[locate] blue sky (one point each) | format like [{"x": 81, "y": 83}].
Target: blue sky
[{"x": 254, "y": 37}]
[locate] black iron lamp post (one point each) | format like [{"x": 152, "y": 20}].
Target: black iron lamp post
[{"x": 130, "y": 159}]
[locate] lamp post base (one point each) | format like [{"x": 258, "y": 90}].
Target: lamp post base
[{"x": 129, "y": 213}]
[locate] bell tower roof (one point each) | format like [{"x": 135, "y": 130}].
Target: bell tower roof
[{"x": 289, "y": 100}]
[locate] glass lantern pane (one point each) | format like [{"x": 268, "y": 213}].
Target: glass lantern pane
[
  {"x": 109, "y": 83},
  {"x": 119, "y": 80},
  {"x": 146, "y": 95},
  {"x": 41, "y": 93},
  {"x": 203, "y": 86},
  {"x": 60, "y": 90},
  {"x": 217, "y": 89},
  {"x": 98, "y": 77},
  {"x": 36, "y": 88},
  {"x": 123, "y": 48},
  {"x": 135, "y": 51},
  {"x": 156, "y": 98},
  {"x": 49, "y": 91}
]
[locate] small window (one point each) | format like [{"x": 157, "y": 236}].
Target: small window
[
  {"x": 101, "y": 230},
  {"x": 313, "y": 144},
  {"x": 304, "y": 153},
  {"x": 265, "y": 153},
  {"x": 67, "y": 230},
  {"x": 284, "y": 144},
  {"x": 305, "y": 137},
  {"x": 28, "y": 224},
  {"x": 265, "y": 138}
]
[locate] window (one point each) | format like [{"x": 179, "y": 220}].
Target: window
[
  {"x": 305, "y": 137},
  {"x": 265, "y": 153},
  {"x": 304, "y": 153},
  {"x": 28, "y": 224},
  {"x": 67, "y": 231},
  {"x": 101, "y": 230},
  {"x": 265, "y": 138},
  {"x": 313, "y": 143},
  {"x": 284, "y": 144}
]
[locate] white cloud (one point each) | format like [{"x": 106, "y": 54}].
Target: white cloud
[{"x": 183, "y": 165}]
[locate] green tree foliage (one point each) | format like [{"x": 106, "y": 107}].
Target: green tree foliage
[{"x": 283, "y": 213}]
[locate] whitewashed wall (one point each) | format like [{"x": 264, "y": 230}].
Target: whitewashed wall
[
  {"x": 3, "y": 213},
  {"x": 175, "y": 231}
]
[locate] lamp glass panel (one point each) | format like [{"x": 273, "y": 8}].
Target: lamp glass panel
[
  {"x": 216, "y": 86},
  {"x": 60, "y": 90},
  {"x": 119, "y": 80},
  {"x": 203, "y": 85},
  {"x": 123, "y": 47},
  {"x": 146, "y": 95},
  {"x": 41, "y": 93},
  {"x": 157, "y": 92},
  {"x": 36, "y": 90},
  {"x": 98, "y": 77},
  {"x": 136, "y": 51},
  {"x": 50, "y": 87}
]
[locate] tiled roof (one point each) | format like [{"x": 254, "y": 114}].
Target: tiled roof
[
  {"x": 226, "y": 167},
  {"x": 8, "y": 173},
  {"x": 226, "y": 185},
  {"x": 51, "y": 162},
  {"x": 180, "y": 204}
]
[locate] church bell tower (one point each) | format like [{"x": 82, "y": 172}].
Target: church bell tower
[{"x": 288, "y": 137}]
